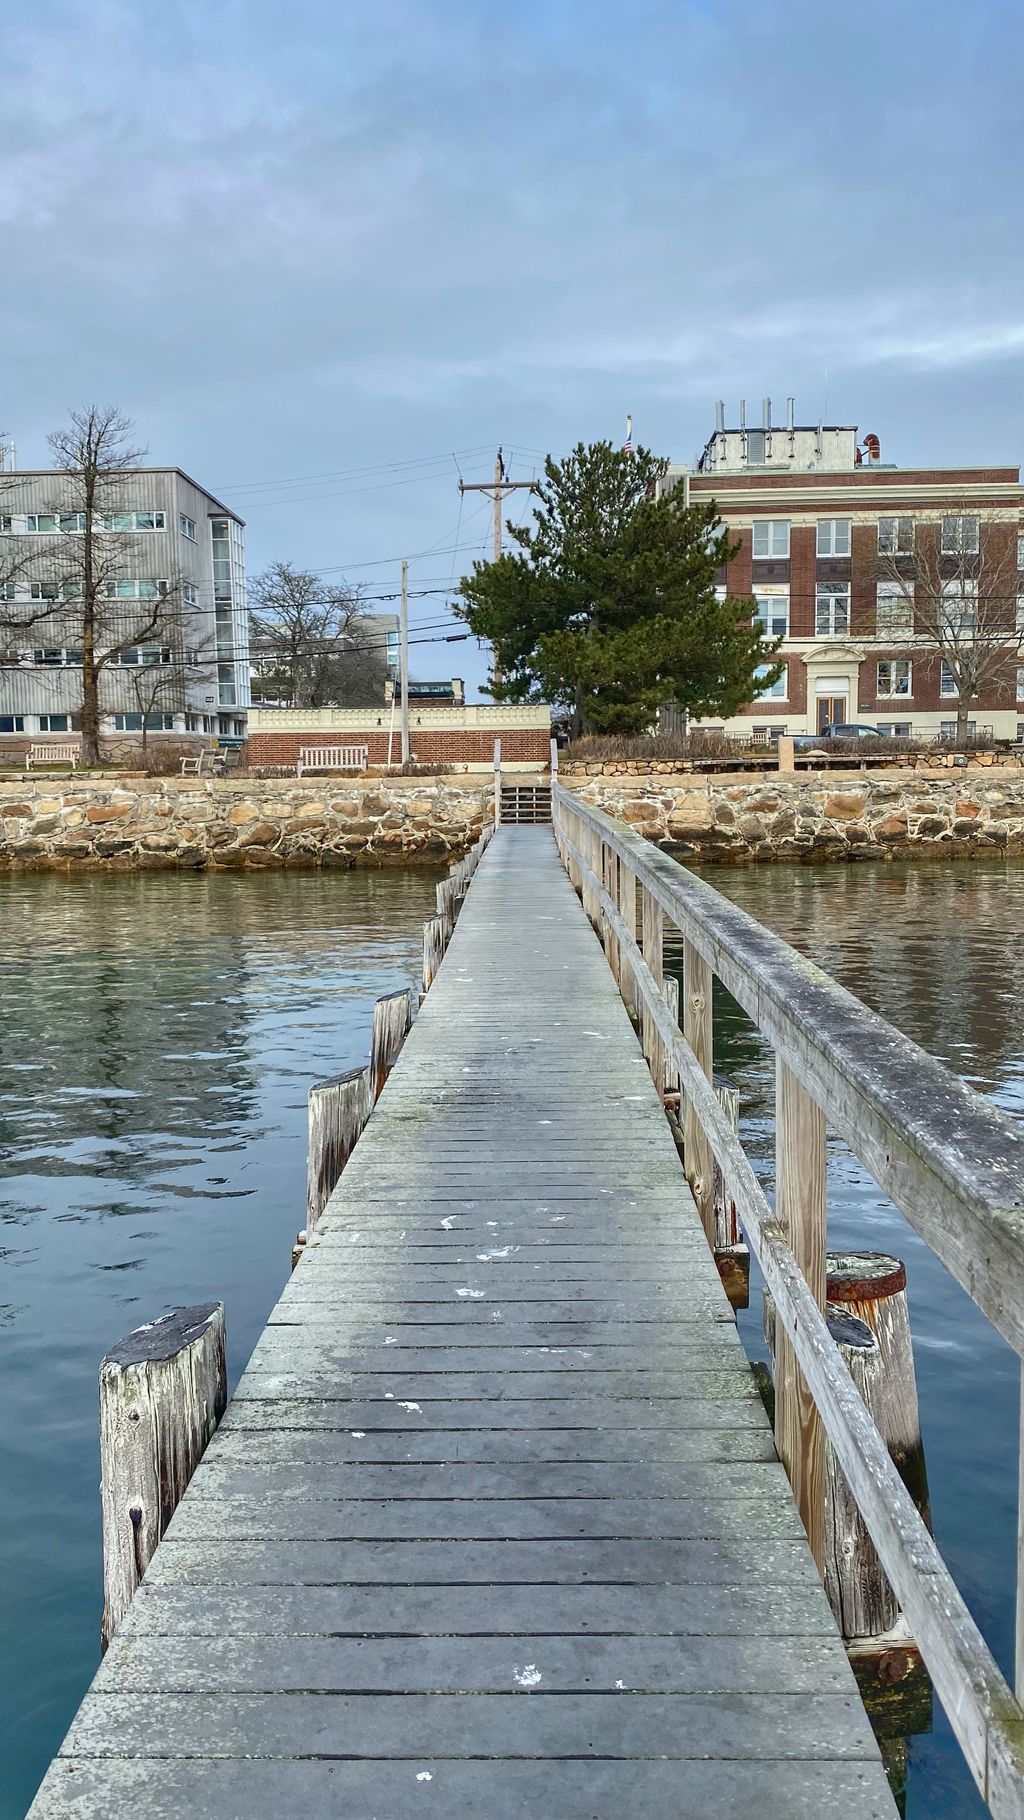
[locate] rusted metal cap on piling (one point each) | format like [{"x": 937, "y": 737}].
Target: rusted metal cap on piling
[{"x": 863, "y": 1276}]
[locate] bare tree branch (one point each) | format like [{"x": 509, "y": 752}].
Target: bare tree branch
[{"x": 313, "y": 640}]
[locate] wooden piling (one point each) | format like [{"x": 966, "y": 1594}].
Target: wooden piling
[
  {"x": 338, "y": 1110},
  {"x": 731, "y": 1254},
  {"x": 163, "y": 1390},
  {"x": 437, "y": 932},
  {"x": 392, "y": 1021},
  {"x": 872, "y": 1285}
]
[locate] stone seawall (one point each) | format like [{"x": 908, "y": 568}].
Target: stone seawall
[
  {"x": 867, "y": 816},
  {"x": 130, "y": 822},
  {"x": 142, "y": 822}
]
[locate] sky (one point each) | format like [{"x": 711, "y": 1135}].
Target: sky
[{"x": 328, "y": 254}]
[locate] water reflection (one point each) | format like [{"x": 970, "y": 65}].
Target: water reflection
[
  {"x": 934, "y": 949},
  {"x": 158, "y": 1035}
]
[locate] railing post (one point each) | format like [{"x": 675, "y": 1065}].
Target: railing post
[
  {"x": 627, "y": 911},
  {"x": 554, "y": 758},
  {"x": 497, "y": 783},
  {"x": 698, "y": 1031},
  {"x": 800, "y": 1210},
  {"x": 652, "y": 923}
]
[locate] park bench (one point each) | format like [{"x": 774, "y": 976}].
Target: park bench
[
  {"x": 52, "y": 752},
  {"x": 192, "y": 763},
  {"x": 332, "y": 758}
]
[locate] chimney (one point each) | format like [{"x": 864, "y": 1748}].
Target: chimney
[
  {"x": 720, "y": 416},
  {"x": 790, "y": 403}
]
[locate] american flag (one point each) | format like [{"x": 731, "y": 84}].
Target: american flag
[{"x": 628, "y": 444}]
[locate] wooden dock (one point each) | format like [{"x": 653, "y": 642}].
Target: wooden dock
[{"x": 494, "y": 1525}]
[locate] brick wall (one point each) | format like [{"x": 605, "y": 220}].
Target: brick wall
[{"x": 458, "y": 745}]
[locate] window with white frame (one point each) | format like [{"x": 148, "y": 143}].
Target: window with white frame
[
  {"x": 832, "y": 609},
  {"x": 135, "y": 521},
  {"x": 54, "y": 590},
  {"x": 12, "y": 723},
  {"x": 190, "y": 593},
  {"x": 894, "y": 729},
  {"x": 142, "y": 656},
  {"x": 155, "y": 723},
  {"x": 834, "y": 536},
  {"x": 894, "y": 676},
  {"x": 1020, "y": 613},
  {"x": 896, "y": 536},
  {"x": 133, "y": 588},
  {"x": 771, "y": 611},
  {"x": 948, "y": 729},
  {"x": 1020, "y": 682},
  {"x": 775, "y": 691},
  {"x": 960, "y": 534},
  {"x": 947, "y": 681},
  {"x": 187, "y": 526},
  {"x": 771, "y": 539},
  {"x": 57, "y": 657},
  {"x": 960, "y": 606},
  {"x": 59, "y": 723},
  {"x": 894, "y": 609}
]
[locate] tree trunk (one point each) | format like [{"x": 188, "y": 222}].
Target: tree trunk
[
  {"x": 963, "y": 709},
  {"x": 90, "y": 682}
]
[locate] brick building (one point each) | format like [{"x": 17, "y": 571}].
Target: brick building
[
  {"x": 462, "y": 735},
  {"x": 830, "y": 539}
]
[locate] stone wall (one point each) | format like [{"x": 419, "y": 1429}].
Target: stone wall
[
  {"x": 819, "y": 817},
  {"x": 227, "y": 822}
]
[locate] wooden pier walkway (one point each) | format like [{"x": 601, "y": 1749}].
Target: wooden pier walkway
[{"x": 494, "y": 1525}]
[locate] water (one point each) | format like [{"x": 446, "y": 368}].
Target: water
[
  {"x": 158, "y": 1037},
  {"x": 933, "y": 948}
]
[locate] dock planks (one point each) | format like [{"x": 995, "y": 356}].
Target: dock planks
[{"x": 493, "y": 1528}]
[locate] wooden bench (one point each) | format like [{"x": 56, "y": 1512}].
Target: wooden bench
[
  {"x": 192, "y": 763},
  {"x": 52, "y": 753},
  {"x": 332, "y": 758}
]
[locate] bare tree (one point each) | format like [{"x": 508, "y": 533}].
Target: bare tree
[
  {"x": 952, "y": 587},
  {"x": 83, "y": 587},
  {"x": 311, "y": 642},
  {"x": 160, "y": 673}
]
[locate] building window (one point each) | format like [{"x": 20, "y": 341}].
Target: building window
[
  {"x": 894, "y": 729},
  {"x": 56, "y": 656},
  {"x": 960, "y": 607},
  {"x": 59, "y": 723},
  {"x": 155, "y": 723},
  {"x": 54, "y": 590},
  {"x": 135, "y": 521},
  {"x": 947, "y": 681},
  {"x": 894, "y": 609},
  {"x": 756, "y": 445},
  {"x": 12, "y": 723},
  {"x": 135, "y": 589},
  {"x": 771, "y": 612},
  {"x": 1020, "y": 683},
  {"x": 190, "y": 593},
  {"x": 1020, "y": 550},
  {"x": 894, "y": 676},
  {"x": 771, "y": 539},
  {"x": 833, "y": 537},
  {"x": 200, "y": 723},
  {"x": 896, "y": 536},
  {"x": 776, "y": 691},
  {"x": 948, "y": 729},
  {"x": 832, "y": 609},
  {"x": 187, "y": 527},
  {"x": 960, "y": 535},
  {"x": 1020, "y": 613},
  {"x": 142, "y": 656}
]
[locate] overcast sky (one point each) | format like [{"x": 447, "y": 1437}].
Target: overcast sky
[{"x": 313, "y": 248}]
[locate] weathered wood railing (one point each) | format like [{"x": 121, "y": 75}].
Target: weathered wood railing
[{"x": 948, "y": 1159}]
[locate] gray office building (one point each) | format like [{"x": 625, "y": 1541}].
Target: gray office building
[{"x": 173, "y": 610}]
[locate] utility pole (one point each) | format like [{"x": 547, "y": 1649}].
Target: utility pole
[
  {"x": 498, "y": 490},
  {"x": 405, "y": 662}
]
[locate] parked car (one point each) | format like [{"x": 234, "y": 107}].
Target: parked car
[{"x": 842, "y": 729}]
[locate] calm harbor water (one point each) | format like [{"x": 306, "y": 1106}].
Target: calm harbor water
[{"x": 158, "y": 1037}]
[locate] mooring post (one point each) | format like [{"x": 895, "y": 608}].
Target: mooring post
[
  {"x": 392, "y": 1021},
  {"x": 872, "y": 1285},
  {"x": 437, "y": 932},
  {"x": 338, "y": 1110},
  {"x": 800, "y": 1210},
  {"x": 698, "y": 1029},
  {"x": 163, "y": 1390}
]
